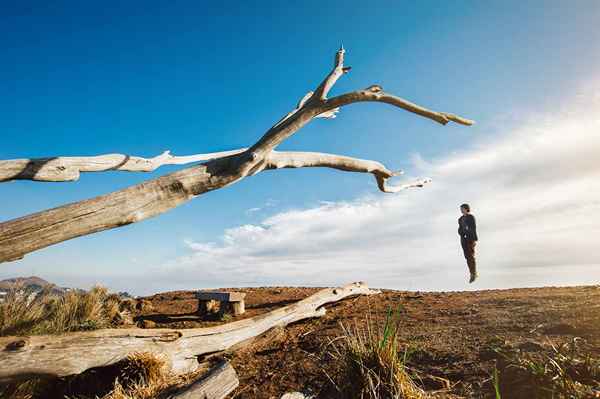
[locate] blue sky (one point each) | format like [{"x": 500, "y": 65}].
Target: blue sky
[{"x": 196, "y": 77}]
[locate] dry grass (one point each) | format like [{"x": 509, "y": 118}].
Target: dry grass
[
  {"x": 146, "y": 376},
  {"x": 20, "y": 313},
  {"x": 24, "y": 390},
  {"x": 143, "y": 376},
  {"x": 372, "y": 367},
  {"x": 46, "y": 313}
]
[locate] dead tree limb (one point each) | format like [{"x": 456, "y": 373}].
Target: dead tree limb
[
  {"x": 73, "y": 353},
  {"x": 133, "y": 204},
  {"x": 69, "y": 168},
  {"x": 219, "y": 382},
  {"x": 288, "y": 159}
]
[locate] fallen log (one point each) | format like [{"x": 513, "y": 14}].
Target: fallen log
[
  {"x": 74, "y": 353},
  {"x": 219, "y": 382}
]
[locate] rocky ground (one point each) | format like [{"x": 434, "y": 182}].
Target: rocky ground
[{"x": 451, "y": 339}]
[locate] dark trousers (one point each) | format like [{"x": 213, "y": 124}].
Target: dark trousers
[{"x": 468, "y": 247}]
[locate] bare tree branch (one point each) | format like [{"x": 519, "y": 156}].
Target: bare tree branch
[
  {"x": 68, "y": 168},
  {"x": 318, "y": 106},
  {"x": 375, "y": 93},
  {"x": 133, "y": 204},
  {"x": 301, "y": 103},
  {"x": 338, "y": 70},
  {"x": 288, "y": 159}
]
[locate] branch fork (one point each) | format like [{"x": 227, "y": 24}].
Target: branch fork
[{"x": 217, "y": 170}]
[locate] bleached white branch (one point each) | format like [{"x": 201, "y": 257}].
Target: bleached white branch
[
  {"x": 292, "y": 159},
  {"x": 68, "y": 168},
  {"x": 301, "y": 103},
  {"x": 338, "y": 70},
  {"x": 375, "y": 93},
  {"x": 395, "y": 189},
  {"x": 319, "y": 106}
]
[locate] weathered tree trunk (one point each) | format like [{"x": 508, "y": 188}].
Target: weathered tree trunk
[
  {"x": 219, "y": 382},
  {"x": 73, "y": 353},
  {"x": 21, "y": 236}
]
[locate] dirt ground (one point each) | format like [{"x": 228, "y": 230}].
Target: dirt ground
[{"x": 447, "y": 334}]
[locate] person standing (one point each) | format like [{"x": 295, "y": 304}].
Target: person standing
[{"x": 467, "y": 230}]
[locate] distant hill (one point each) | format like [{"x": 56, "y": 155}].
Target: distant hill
[{"x": 32, "y": 283}]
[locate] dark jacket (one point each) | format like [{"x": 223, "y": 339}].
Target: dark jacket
[{"x": 467, "y": 228}]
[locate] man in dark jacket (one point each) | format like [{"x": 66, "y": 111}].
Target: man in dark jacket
[{"x": 468, "y": 238}]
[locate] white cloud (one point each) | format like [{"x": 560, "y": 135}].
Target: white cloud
[{"x": 534, "y": 191}]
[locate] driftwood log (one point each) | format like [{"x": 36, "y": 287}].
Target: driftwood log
[
  {"x": 21, "y": 236},
  {"x": 74, "y": 353},
  {"x": 219, "y": 382}
]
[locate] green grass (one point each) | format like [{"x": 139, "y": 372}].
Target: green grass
[
  {"x": 565, "y": 371},
  {"x": 496, "y": 382}
]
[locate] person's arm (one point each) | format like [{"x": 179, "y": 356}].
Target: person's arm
[{"x": 472, "y": 228}]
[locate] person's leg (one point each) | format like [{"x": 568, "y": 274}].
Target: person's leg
[
  {"x": 469, "y": 252},
  {"x": 473, "y": 267},
  {"x": 471, "y": 262},
  {"x": 466, "y": 251}
]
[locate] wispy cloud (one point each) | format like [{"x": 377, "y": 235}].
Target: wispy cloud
[
  {"x": 534, "y": 191},
  {"x": 270, "y": 203}
]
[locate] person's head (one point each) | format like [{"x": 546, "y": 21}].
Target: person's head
[{"x": 465, "y": 208}]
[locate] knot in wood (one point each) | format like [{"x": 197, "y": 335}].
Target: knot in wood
[
  {"x": 375, "y": 89},
  {"x": 16, "y": 345}
]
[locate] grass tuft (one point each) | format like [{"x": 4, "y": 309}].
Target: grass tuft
[
  {"x": 372, "y": 367},
  {"x": 143, "y": 376},
  {"x": 23, "y": 313}
]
